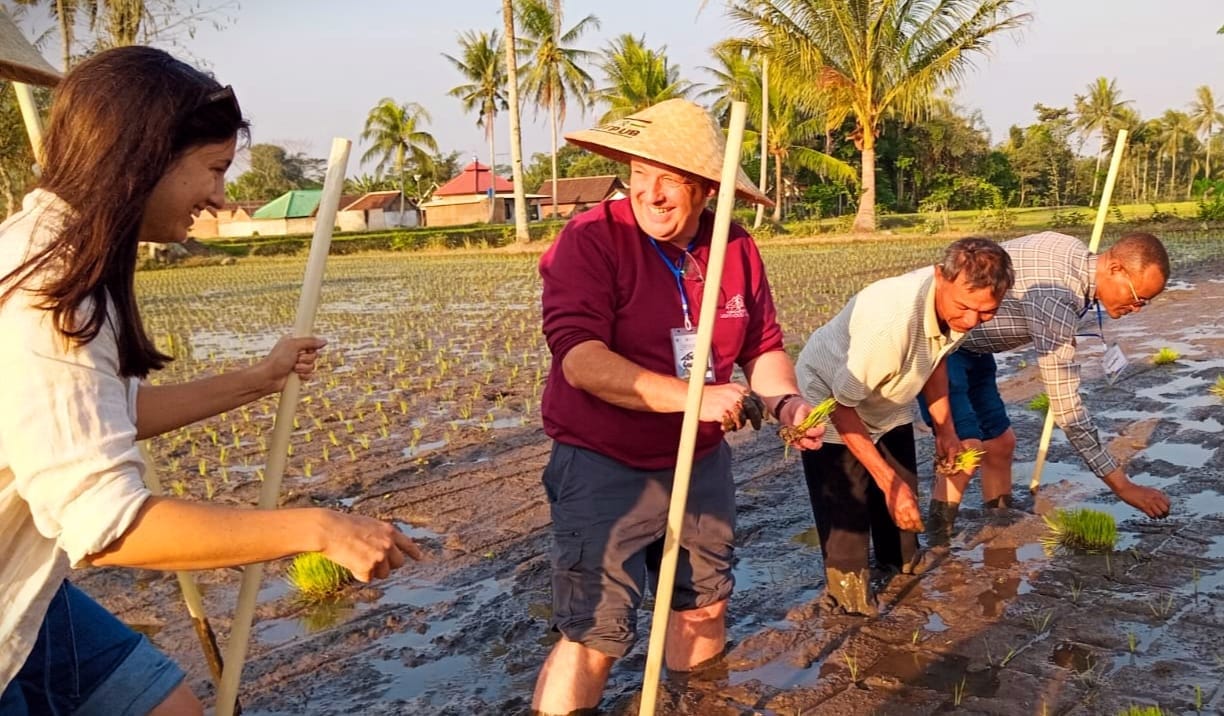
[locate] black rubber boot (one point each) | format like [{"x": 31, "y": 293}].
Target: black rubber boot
[
  {"x": 941, "y": 521},
  {"x": 1002, "y": 502}
]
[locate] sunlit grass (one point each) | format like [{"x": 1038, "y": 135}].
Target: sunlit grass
[
  {"x": 1079, "y": 530},
  {"x": 316, "y": 577}
]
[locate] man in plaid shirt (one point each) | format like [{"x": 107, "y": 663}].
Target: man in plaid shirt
[{"x": 1058, "y": 282}]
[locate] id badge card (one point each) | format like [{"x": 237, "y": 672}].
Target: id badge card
[
  {"x": 1113, "y": 363},
  {"x": 684, "y": 345}
]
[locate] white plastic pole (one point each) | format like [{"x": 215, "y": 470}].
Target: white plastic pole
[
  {"x": 1047, "y": 431},
  {"x": 692, "y": 410},
  {"x": 191, "y": 592},
  {"x": 269, "y": 496}
]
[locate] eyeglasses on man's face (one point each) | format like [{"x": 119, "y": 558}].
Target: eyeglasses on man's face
[{"x": 1138, "y": 302}]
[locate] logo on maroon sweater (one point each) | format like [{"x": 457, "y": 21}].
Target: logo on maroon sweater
[{"x": 735, "y": 307}]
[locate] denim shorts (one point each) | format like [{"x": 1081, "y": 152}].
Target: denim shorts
[
  {"x": 977, "y": 408},
  {"x": 608, "y": 526},
  {"x": 86, "y": 662}
]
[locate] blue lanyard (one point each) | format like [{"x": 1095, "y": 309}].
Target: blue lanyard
[
  {"x": 1100, "y": 320},
  {"x": 678, "y": 274}
]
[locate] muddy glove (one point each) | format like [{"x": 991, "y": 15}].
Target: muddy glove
[{"x": 752, "y": 410}]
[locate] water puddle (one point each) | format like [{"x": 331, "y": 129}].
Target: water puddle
[
  {"x": 223, "y": 345},
  {"x": 935, "y": 624},
  {"x": 1205, "y": 503},
  {"x": 1075, "y": 657},
  {"x": 782, "y": 674},
  {"x": 1183, "y": 454},
  {"x": 415, "y": 667},
  {"x": 938, "y": 672},
  {"x": 422, "y": 448}
]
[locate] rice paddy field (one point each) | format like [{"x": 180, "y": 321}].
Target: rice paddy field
[{"x": 425, "y": 411}]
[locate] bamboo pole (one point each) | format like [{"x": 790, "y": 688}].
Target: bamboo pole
[
  {"x": 269, "y": 496},
  {"x": 191, "y": 592},
  {"x": 29, "y": 115},
  {"x": 1047, "y": 431},
  {"x": 692, "y": 409}
]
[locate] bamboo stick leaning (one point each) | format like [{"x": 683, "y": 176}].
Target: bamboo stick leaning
[
  {"x": 1047, "y": 431},
  {"x": 692, "y": 409},
  {"x": 187, "y": 584},
  {"x": 269, "y": 496}
]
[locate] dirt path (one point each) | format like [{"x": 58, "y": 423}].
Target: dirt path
[{"x": 998, "y": 628}]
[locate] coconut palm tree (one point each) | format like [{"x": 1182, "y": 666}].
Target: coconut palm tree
[
  {"x": 637, "y": 77},
  {"x": 794, "y": 115},
  {"x": 876, "y": 56},
  {"x": 521, "y": 234},
  {"x": 1099, "y": 112},
  {"x": 1205, "y": 117},
  {"x": 552, "y": 72},
  {"x": 484, "y": 67},
  {"x": 1175, "y": 129},
  {"x": 395, "y": 133}
]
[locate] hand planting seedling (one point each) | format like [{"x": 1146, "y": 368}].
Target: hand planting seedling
[
  {"x": 1083, "y": 530},
  {"x": 966, "y": 461},
  {"x": 316, "y": 577},
  {"x": 819, "y": 415},
  {"x": 1040, "y": 403},
  {"x": 1165, "y": 356}
]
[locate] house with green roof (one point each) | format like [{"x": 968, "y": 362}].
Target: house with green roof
[{"x": 293, "y": 212}]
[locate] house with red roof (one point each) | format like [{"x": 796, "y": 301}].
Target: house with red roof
[{"x": 476, "y": 195}]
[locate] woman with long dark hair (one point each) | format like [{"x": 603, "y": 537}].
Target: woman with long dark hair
[{"x": 138, "y": 143}]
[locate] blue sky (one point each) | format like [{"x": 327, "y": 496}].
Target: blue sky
[{"x": 309, "y": 70}]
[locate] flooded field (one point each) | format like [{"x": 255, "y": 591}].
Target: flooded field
[{"x": 426, "y": 411}]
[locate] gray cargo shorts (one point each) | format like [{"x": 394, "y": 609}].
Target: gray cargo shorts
[{"x": 608, "y": 526}]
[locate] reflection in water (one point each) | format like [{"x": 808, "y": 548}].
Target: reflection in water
[
  {"x": 938, "y": 672},
  {"x": 1075, "y": 657},
  {"x": 1002, "y": 590}
]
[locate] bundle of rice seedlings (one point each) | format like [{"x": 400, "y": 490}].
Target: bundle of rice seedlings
[
  {"x": 819, "y": 415},
  {"x": 1079, "y": 530},
  {"x": 1164, "y": 356},
  {"x": 316, "y": 577},
  {"x": 1218, "y": 389},
  {"x": 966, "y": 461},
  {"x": 1040, "y": 403}
]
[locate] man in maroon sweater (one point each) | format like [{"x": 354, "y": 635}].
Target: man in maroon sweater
[{"x": 622, "y": 292}]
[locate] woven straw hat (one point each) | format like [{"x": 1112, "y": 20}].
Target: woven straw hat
[
  {"x": 19, "y": 61},
  {"x": 676, "y": 133}
]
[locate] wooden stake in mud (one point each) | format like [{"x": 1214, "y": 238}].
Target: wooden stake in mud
[
  {"x": 191, "y": 592},
  {"x": 692, "y": 410},
  {"x": 269, "y": 496},
  {"x": 1047, "y": 431}
]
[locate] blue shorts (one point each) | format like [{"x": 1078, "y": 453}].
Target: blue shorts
[
  {"x": 608, "y": 526},
  {"x": 86, "y": 662},
  {"x": 977, "y": 408}
]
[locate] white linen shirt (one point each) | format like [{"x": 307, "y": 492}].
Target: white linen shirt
[
  {"x": 878, "y": 352},
  {"x": 70, "y": 471}
]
